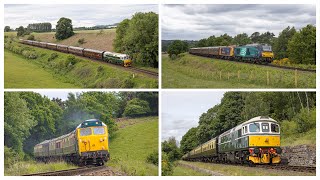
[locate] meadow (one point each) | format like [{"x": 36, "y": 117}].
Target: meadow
[
  {"x": 131, "y": 146},
  {"x": 77, "y": 71},
  {"x": 189, "y": 71}
]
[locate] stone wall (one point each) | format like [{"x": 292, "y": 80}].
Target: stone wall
[{"x": 301, "y": 155}]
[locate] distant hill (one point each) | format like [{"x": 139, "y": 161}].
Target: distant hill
[{"x": 166, "y": 43}]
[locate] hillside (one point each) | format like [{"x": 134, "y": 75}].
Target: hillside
[
  {"x": 189, "y": 71},
  {"x": 132, "y": 144},
  {"x": 93, "y": 39}
]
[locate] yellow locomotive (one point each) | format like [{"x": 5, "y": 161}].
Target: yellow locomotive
[
  {"x": 87, "y": 144},
  {"x": 256, "y": 141}
]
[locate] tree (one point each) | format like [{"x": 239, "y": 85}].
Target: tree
[
  {"x": 21, "y": 31},
  {"x": 138, "y": 37},
  {"x": 64, "y": 29},
  {"x": 171, "y": 149},
  {"x": 241, "y": 39},
  {"x": 7, "y": 29},
  {"x": 177, "y": 47},
  {"x": 302, "y": 46},
  {"x": 136, "y": 107},
  {"x": 280, "y": 47},
  {"x": 189, "y": 141}
]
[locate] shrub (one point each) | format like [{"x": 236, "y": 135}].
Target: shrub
[
  {"x": 52, "y": 56},
  {"x": 153, "y": 158},
  {"x": 136, "y": 107},
  {"x": 166, "y": 165},
  {"x": 30, "y": 54},
  {"x": 128, "y": 83},
  {"x": 305, "y": 120},
  {"x": 71, "y": 60},
  {"x": 11, "y": 157},
  {"x": 288, "y": 128},
  {"x": 31, "y": 37},
  {"x": 81, "y": 41}
]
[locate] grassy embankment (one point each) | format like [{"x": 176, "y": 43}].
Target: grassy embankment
[
  {"x": 132, "y": 144},
  {"x": 191, "y": 71},
  {"x": 72, "y": 70}
]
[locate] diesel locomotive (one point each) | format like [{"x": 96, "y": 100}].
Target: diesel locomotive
[
  {"x": 253, "y": 53},
  {"x": 110, "y": 57},
  {"x": 87, "y": 144},
  {"x": 256, "y": 141}
]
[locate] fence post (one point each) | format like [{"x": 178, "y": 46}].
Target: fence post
[
  {"x": 296, "y": 78},
  {"x": 267, "y": 77}
]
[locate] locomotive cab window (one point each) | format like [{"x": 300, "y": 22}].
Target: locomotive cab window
[
  {"x": 98, "y": 130},
  {"x": 265, "y": 127},
  {"x": 275, "y": 128},
  {"x": 254, "y": 127},
  {"x": 85, "y": 132}
]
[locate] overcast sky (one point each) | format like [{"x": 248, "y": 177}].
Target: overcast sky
[
  {"x": 56, "y": 94},
  {"x": 81, "y": 15},
  {"x": 194, "y": 22},
  {"x": 181, "y": 111}
]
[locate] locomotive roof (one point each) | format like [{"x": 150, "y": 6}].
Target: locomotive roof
[{"x": 116, "y": 54}]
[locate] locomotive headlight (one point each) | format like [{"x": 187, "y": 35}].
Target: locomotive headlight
[{"x": 256, "y": 150}]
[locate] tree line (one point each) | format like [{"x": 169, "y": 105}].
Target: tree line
[
  {"x": 40, "y": 27},
  {"x": 31, "y": 118},
  {"x": 295, "y": 111},
  {"x": 298, "y": 46},
  {"x": 138, "y": 37}
]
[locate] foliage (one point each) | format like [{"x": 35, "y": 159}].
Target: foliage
[
  {"x": 189, "y": 141},
  {"x": 31, "y": 37},
  {"x": 241, "y": 39},
  {"x": 171, "y": 149},
  {"x": 138, "y": 37},
  {"x": 64, "y": 29},
  {"x": 7, "y": 29},
  {"x": 81, "y": 41},
  {"x": 21, "y": 31},
  {"x": 11, "y": 157},
  {"x": 177, "y": 47},
  {"x": 305, "y": 120},
  {"x": 40, "y": 27},
  {"x": 136, "y": 107},
  {"x": 153, "y": 158},
  {"x": 280, "y": 46},
  {"x": 302, "y": 46},
  {"x": 166, "y": 165}
]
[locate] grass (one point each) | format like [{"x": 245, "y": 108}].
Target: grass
[
  {"x": 19, "y": 72},
  {"x": 191, "y": 71},
  {"x": 231, "y": 170},
  {"x": 131, "y": 146},
  {"x": 185, "y": 171},
  {"x": 81, "y": 72},
  {"x": 30, "y": 167},
  {"x": 308, "y": 138}
]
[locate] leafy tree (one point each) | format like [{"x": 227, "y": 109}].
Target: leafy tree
[
  {"x": 7, "y": 29},
  {"x": 280, "y": 47},
  {"x": 241, "y": 39},
  {"x": 189, "y": 141},
  {"x": 302, "y": 46},
  {"x": 18, "y": 121},
  {"x": 177, "y": 47},
  {"x": 202, "y": 43},
  {"x": 64, "y": 29},
  {"x": 136, "y": 107},
  {"x": 21, "y": 31},
  {"x": 118, "y": 43},
  {"x": 171, "y": 149}
]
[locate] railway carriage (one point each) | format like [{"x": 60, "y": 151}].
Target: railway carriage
[
  {"x": 36, "y": 43},
  {"x": 87, "y": 144},
  {"x": 93, "y": 54},
  {"x": 62, "y": 48},
  {"x": 52, "y": 46},
  {"x": 256, "y": 141},
  {"x": 43, "y": 44},
  {"x": 76, "y": 50}
]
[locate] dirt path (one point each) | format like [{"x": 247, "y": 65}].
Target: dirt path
[{"x": 212, "y": 173}]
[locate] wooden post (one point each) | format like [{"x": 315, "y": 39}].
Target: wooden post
[
  {"x": 296, "y": 78},
  {"x": 267, "y": 77}
]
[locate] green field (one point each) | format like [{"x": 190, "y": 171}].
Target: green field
[
  {"x": 73, "y": 71},
  {"x": 189, "y": 71},
  {"x": 30, "y": 167},
  {"x": 21, "y": 73},
  {"x": 131, "y": 146},
  {"x": 185, "y": 171},
  {"x": 232, "y": 170}
]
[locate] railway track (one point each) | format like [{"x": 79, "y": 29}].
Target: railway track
[
  {"x": 143, "y": 71},
  {"x": 69, "y": 172},
  {"x": 268, "y": 65}
]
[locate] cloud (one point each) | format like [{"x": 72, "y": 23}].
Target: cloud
[
  {"x": 193, "y": 22},
  {"x": 81, "y": 15}
]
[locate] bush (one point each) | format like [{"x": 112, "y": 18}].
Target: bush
[
  {"x": 153, "y": 158},
  {"x": 305, "y": 120},
  {"x": 11, "y": 157},
  {"x": 71, "y": 60},
  {"x": 288, "y": 128},
  {"x": 52, "y": 56},
  {"x": 166, "y": 165},
  {"x": 136, "y": 107},
  {"x": 81, "y": 41},
  {"x": 31, "y": 37},
  {"x": 128, "y": 83},
  {"x": 30, "y": 54}
]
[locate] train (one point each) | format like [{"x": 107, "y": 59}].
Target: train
[
  {"x": 110, "y": 57},
  {"x": 256, "y": 141},
  {"x": 252, "y": 53},
  {"x": 87, "y": 144}
]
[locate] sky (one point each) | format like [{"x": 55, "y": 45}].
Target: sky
[
  {"x": 81, "y": 15},
  {"x": 181, "y": 110},
  {"x": 55, "y": 94},
  {"x": 194, "y": 22}
]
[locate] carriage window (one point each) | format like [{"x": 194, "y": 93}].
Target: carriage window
[
  {"x": 246, "y": 129},
  {"x": 254, "y": 127},
  {"x": 274, "y": 128},
  {"x": 98, "y": 130},
  {"x": 265, "y": 127},
  {"x": 85, "y": 132}
]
